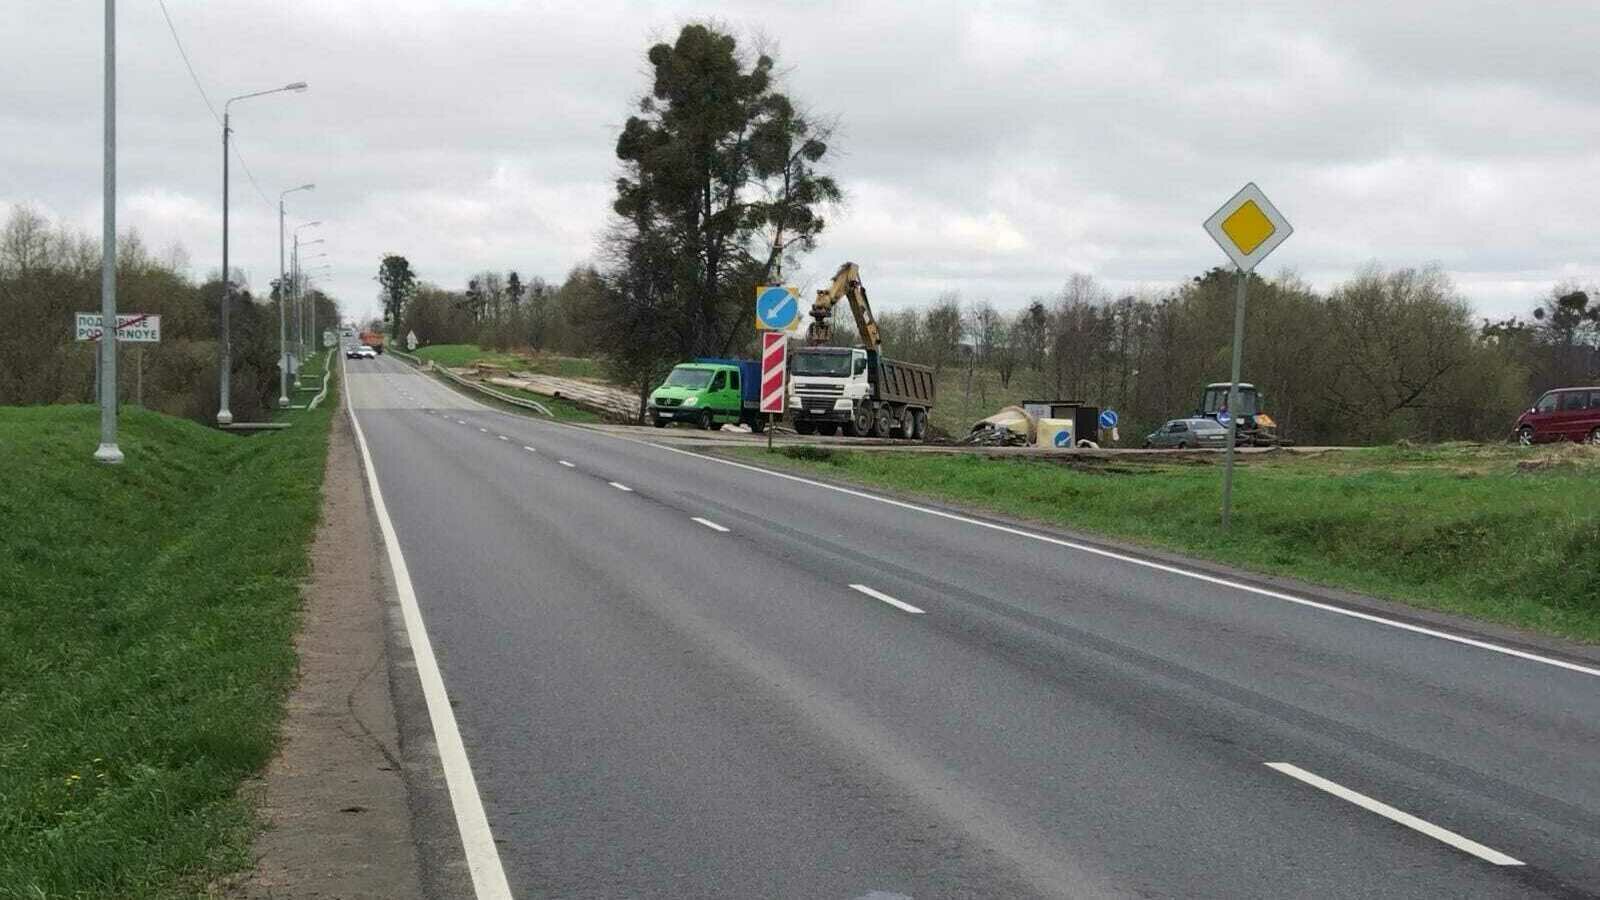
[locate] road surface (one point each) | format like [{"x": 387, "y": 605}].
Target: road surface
[{"x": 674, "y": 676}]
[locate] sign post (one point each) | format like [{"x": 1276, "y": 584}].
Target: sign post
[
  {"x": 774, "y": 376},
  {"x": 1247, "y": 228}
]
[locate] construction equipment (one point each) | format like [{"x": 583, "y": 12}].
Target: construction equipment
[
  {"x": 856, "y": 389},
  {"x": 1256, "y": 428}
]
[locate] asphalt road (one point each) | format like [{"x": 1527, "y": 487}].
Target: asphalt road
[{"x": 668, "y": 684}]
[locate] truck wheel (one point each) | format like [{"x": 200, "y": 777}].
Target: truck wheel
[
  {"x": 921, "y": 425},
  {"x": 860, "y": 424},
  {"x": 829, "y": 429},
  {"x": 904, "y": 425},
  {"x": 881, "y": 421},
  {"x": 801, "y": 426},
  {"x": 706, "y": 422}
]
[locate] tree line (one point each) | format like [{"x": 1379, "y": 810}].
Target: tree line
[
  {"x": 49, "y": 272},
  {"x": 722, "y": 183}
]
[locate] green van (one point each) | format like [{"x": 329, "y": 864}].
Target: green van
[{"x": 709, "y": 393}]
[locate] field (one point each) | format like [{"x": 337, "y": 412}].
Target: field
[
  {"x": 461, "y": 355},
  {"x": 147, "y": 614},
  {"x": 1500, "y": 533}
]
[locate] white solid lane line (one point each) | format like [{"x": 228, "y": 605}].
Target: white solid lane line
[
  {"x": 567, "y": 464},
  {"x": 879, "y": 595},
  {"x": 1133, "y": 560},
  {"x": 1487, "y": 854},
  {"x": 530, "y": 449},
  {"x": 708, "y": 523},
  {"x": 621, "y": 487}
]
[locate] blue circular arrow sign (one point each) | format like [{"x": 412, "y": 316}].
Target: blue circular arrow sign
[
  {"x": 1223, "y": 418},
  {"x": 1108, "y": 419},
  {"x": 777, "y": 308},
  {"x": 1063, "y": 438}
]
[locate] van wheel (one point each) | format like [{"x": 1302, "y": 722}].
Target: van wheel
[
  {"x": 659, "y": 422},
  {"x": 1183, "y": 445},
  {"x": 1525, "y": 435},
  {"x": 706, "y": 422}
]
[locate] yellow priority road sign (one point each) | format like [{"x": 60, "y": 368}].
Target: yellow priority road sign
[{"x": 1248, "y": 227}]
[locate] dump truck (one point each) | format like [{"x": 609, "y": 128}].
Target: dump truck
[
  {"x": 1256, "y": 428},
  {"x": 709, "y": 392},
  {"x": 855, "y": 389},
  {"x": 373, "y": 339}
]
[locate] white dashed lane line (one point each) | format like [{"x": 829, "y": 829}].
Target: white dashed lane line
[
  {"x": 530, "y": 449},
  {"x": 709, "y": 524},
  {"x": 879, "y": 595},
  {"x": 1487, "y": 854},
  {"x": 567, "y": 464},
  {"x": 621, "y": 487}
]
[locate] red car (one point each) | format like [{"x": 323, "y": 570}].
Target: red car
[{"x": 1564, "y": 414}]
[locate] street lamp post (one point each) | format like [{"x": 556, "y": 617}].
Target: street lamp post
[
  {"x": 294, "y": 279},
  {"x": 283, "y": 304},
  {"x": 224, "y": 357},
  {"x": 108, "y": 451}
]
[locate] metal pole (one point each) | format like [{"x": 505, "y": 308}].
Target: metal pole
[
  {"x": 283, "y": 320},
  {"x": 139, "y": 388},
  {"x": 299, "y": 308},
  {"x": 1233, "y": 399},
  {"x": 224, "y": 358},
  {"x": 108, "y": 452}
]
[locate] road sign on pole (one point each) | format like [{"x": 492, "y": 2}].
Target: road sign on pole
[
  {"x": 1247, "y": 228},
  {"x": 774, "y": 370},
  {"x": 411, "y": 340},
  {"x": 132, "y": 328},
  {"x": 777, "y": 307}
]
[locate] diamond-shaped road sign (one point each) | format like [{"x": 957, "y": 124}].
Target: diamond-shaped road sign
[{"x": 1248, "y": 227}]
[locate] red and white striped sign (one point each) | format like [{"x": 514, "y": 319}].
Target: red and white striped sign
[{"x": 774, "y": 369}]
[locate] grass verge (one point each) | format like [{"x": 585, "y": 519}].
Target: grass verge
[
  {"x": 147, "y": 615},
  {"x": 1503, "y": 534},
  {"x": 460, "y": 355}
]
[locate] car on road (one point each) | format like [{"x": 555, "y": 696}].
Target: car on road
[
  {"x": 1183, "y": 434},
  {"x": 1563, "y": 414},
  {"x": 361, "y": 352}
]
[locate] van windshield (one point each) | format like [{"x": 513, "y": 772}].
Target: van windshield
[
  {"x": 827, "y": 365},
  {"x": 693, "y": 379},
  {"x": 1217, "y": 397}
]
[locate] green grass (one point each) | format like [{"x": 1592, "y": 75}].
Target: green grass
[
  {"x": 1498, "y": 533},
  {"x": 461, "y": 355},
  {"x": 147, "y": 614}
]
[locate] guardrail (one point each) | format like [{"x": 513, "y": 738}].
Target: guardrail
[
  {"x": 327, "y": 372},
  {"x": 503, "y": 397}
]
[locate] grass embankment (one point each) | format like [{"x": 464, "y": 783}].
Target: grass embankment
[
  {"x": 147, "y": 614},
  {"x": 1504, "y": 534},
  {"x": 461, "y": 355}
]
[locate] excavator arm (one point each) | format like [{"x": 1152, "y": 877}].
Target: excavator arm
[{"x": 847, "y": 286}]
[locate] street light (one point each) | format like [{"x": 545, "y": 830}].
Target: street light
[
  {"x": 108, "y": 452},
  {"x": 224, "y": 358},
  {"x": 294, "y": 278},
  {"x": 283, "y": 302},
  {"x": 311, "y": 308}
]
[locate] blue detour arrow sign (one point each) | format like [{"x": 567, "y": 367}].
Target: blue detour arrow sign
[{"x": 777, "y": 307}]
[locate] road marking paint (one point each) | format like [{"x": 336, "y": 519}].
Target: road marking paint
[
  {"x": 1488, "y": 854},
  {"x": 708, "y": 523},
  {"x": 567, "y": 464},
  {"x": 484, "y": 430},
  {"x": 503, "y": 437},
  {"x": 477, "y": 841},
  {"x": 879, "y": 595},
  {"x": 530, "y": 449},
  {"x": 621, "y": 487},
  {"x": 1134, "y": 560}
]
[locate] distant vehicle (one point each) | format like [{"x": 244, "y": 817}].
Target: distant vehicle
[
  {"x": 1564, "y": 414},
  {"x": 1256, "y": 428},
  {"x": 373, "y": 339},
  {"x": 1181, "y": 434},
  {"x": 709, "y": 393},
  {"x": 362, "y": 352},
  {"x": 855, "y": 389}
]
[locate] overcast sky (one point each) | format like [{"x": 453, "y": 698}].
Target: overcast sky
[{"x": 992, "y": 150}]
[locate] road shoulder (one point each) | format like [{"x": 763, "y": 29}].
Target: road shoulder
[{"x": 335, "y": 798}]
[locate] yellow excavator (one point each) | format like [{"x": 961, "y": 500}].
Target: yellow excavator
[{"x": 855, "y": 390}]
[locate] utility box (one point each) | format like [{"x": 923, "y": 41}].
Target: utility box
[
  {"x": 1056, "y": 434},
  {"x": 1052, "y": 409}
]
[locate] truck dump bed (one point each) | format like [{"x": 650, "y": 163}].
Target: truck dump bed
[{"x": 901, "y": 382}]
